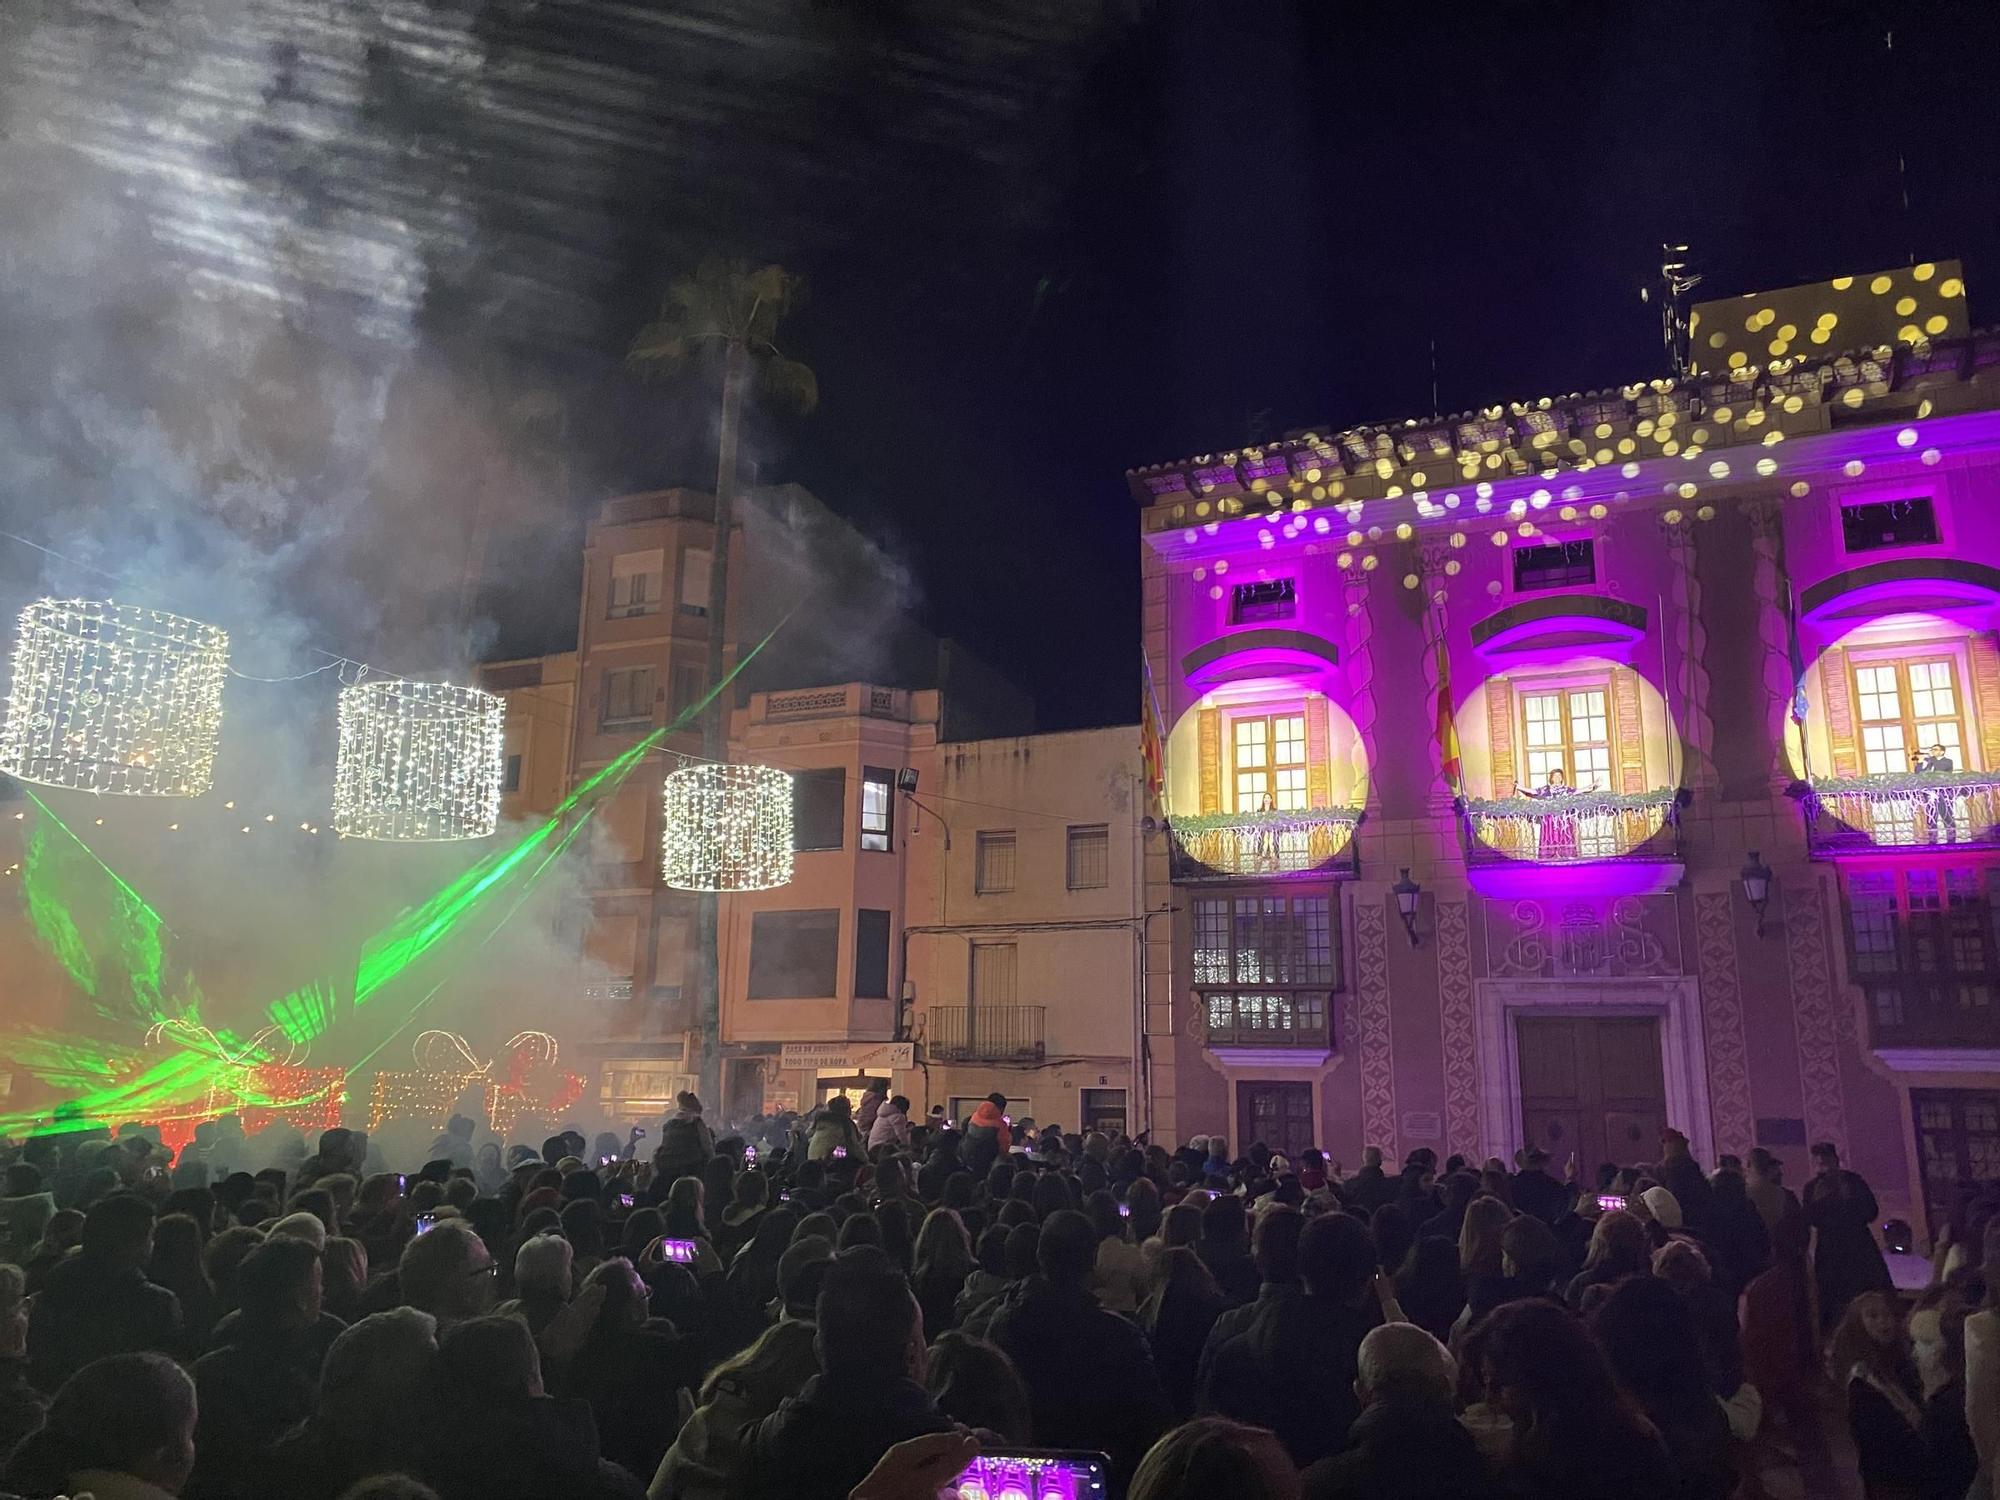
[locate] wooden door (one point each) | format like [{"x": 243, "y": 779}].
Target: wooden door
[
  {"x": 1592, "y": 1085},
  {"x": 1278, "y": 1114}
]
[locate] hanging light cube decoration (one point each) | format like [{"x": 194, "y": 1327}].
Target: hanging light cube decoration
[
  {"x": 727, "y": 828},
  {"x": 418, "y": 761},
  {"x": 117, "y": 698}
]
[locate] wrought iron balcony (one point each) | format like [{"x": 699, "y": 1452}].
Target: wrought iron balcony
[
  {"x": 1575, "y": 828},
  {"x": 1907, "y": 810},
  {"x": 1233, "y": 846},
  {"x": 984, "y": 1033},
  {"x": 1283, "y": 1020}
]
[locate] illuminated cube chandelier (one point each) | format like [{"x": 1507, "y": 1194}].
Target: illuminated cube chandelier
[
  {"x": 418, "y": 761},
  {"x": 116, "y": 698},
  {"x": 727, "y": 828}
]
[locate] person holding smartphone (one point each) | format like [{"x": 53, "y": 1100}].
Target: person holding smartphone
[{"x": 835, "y": 1128}]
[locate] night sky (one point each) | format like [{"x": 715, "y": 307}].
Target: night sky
[{"x": 1048, "y": 240}]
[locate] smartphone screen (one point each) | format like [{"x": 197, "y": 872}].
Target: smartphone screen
[
  {"x": 840, "y": 1153},
  {"x": 679, "y": 1251},
  {"x": 749, "y": 1156},
  {"x": 1124, "y": 1210},
  {"x": 625, "y": 1200},
  {"x": 424, "y": 1224},
  {"x": 402, "y": 1183},
  {"x": 1038, "y": 1473},
  {"x": 1611, "y": 1203}
]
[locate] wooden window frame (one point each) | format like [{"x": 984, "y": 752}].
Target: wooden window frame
[
  {"x": 1899, "y": 660},
  {"x": 1560, "y": 688},
  {"x": 1268, "y": 772}
]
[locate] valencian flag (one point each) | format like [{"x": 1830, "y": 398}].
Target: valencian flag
[
  {"x": 1447, "y": 727},
  {"x": 1152, "y": 748}
]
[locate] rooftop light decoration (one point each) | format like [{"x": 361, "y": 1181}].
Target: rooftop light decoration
[
  {"x": 418, "y": 761},
  {"x": 727, "y": 828},
  {"x": 116, "y": 698}
]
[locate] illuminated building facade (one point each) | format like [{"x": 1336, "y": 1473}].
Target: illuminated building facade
[{"x": 1553, "y": 772}]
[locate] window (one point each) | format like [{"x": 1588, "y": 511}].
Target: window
[
  {"x": 1272, "y": 599},
  {"x": 635, "y": 583},
  {"x": 1089, "y": 856},
  {"x": 1958, "y": 1142},
  {"x": 1922, "y": 943},
  {"x": 871, "y": 955},
  {"x": 995, "y": 967},
  {"x": 1554, "y": 565},
  {"x": 1567, "y": 730},
  {"x": 1269, "y": 763},
  {"x": 819, "y": 808},
  {"x": 1889, "y": 523},
  {"x": 794, "y": 954},
  {"x": 690, "y": 687},
  {"x": 695, "y": 563},
  {"x": 627, "y": 698},
  {"x": 1264, "y": 966},
  {"x": 996, "y": 863},
  {"x": 510, "y": 779},
  {"x": 878, "y": 807},
  {"x": 1905, "y": 707}
]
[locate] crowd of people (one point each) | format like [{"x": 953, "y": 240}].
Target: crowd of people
[{"x": 851, "y": 1306}]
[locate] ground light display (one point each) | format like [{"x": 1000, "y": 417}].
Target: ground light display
[{"x": 178, "y": 1067}]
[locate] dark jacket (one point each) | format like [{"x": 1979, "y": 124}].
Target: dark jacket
[
  {"x": 632, "y": 1378},
  {"x": 21, "y": 1405},
  {"x": 1402, "y": 1450},
  {"x": 938, "y": 1166},
  {"x": 1370, "y": 1188},
  {"x": 1089, "y": 1374},
  {"x": 88, "y": 1310},
  {"x": 252, "y": 1389},
  {"x": 1846, "y": 1259},
  {"x": 987, "y": 1138},
  {"x": 1183, "y": 1326},
  {"x": 1235, "y": 1320},
  {"x": 1949, "y": 1460},
  {"x": 525, "y": 1449},
  {"x": 1681, "y": 1175},
  {"x": 1537, "y": 1193},
  {"x": 1293, "y": 1371},
  {"x": 1233, "y": 1269},
  {"x": 822, "y": 1442}
]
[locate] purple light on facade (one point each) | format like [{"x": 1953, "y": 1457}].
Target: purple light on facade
[
  {"x": 1001, "y": 1478},
  {"x": 1174, "y": 483},
  {"x": 1270, "y": 466},
  {"x": 1215, "y": 474},
  {"x": 1517, "y": 880}
]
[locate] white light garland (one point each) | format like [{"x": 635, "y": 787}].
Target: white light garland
[
  {"x": 418, "y": 761},
  {"x": 110, "y": 697},
  {"x": 727, "y": 828}
]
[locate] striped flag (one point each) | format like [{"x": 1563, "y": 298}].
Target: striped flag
[{"x": 1447, "y": 726}]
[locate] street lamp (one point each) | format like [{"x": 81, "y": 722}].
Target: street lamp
[
  {"x": 1756, "y": 877},
  {"x": 1406, "y": 892}
]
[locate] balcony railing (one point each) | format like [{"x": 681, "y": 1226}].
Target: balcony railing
[
  {"x": 1948, "y": 1011},
  {"x": 1573, "y": 829},
  {"x": 1287, "y": 1020},
  {"x": 1231, "y": 846},
  {"x": 1910, "y": 810},
  {"x": 985, "y": 1033}
]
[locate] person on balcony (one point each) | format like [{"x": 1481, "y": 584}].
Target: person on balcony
[
  {"x": 1937, "y": 761},
  {"x": 1555, "y": 784}
]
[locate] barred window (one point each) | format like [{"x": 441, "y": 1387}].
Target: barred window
[
  {"x": 995, "y": 871},
  {"x": 1089, "y": 856}
]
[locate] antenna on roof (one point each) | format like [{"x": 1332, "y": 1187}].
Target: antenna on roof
[{"x": 1678, "y": 277}]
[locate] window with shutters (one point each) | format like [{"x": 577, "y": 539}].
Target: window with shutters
[
  {"x": 819, "y": 808},
  {"x": 625, "y": 700},
  {"x": 1923, "y": 945},
  {"x": 635, "y": 583},
  {"x": 1566, "y": 743},
  {"x": 995, "y": 970},
  {"x": 1908, "y": 706},
  {"x": 871, "y": 954},
  {"x": 1268, "y": 762},
  {"x": 995, "y": 853},
  {"x": 1089, "y": 856},
  {"x": 1265, "y": 965},
  {"x": 794, "y": 955},
  {"x": 695, "y": 564}
]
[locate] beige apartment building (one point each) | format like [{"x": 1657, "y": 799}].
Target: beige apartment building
[{"x": 964, "y": 914}]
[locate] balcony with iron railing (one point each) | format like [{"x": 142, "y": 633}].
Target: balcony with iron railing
[
  {"x": 1906, "y": 810},
  {"x": 1264, "y": 845},
  {"x": 1579, "y": 828},
  {"x": 985, "y": 1033},
  {"x": 1280, "y": 1020}
]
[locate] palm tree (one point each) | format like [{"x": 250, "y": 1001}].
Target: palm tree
[{"x": 724, "y": 318}]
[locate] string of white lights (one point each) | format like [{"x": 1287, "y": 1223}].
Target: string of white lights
[
  {"x": 417, "y": 761},
  {"x": 727, "y": 828}
]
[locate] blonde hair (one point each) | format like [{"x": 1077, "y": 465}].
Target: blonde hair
[{"x": 1486, "y": 1220}]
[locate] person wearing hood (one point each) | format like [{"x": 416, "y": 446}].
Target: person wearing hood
[
  {"x": 834, "y": 1131},
  {"x": 872, "y": 1099},
  {"x": 891, "y": 1126},
  {"x": 988, "y": 1136},
  {"x": 99, "y": 1302},
  {"x": 686, "y": 1144}
]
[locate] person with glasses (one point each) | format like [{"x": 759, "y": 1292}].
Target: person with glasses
[{"x": 449, "y": 1273}]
